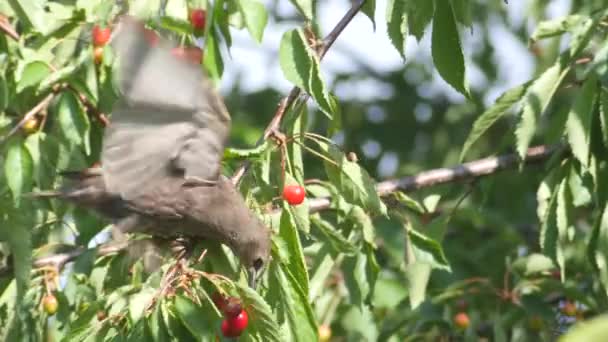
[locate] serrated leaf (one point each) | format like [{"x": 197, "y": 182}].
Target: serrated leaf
[
  {"x": 549, "y": 233},
  {"x": 578, "y": 126},
  {"x": 255, "y": 17},
  {"x": 369, "y": 9},
  {"x": 417, "y": 275},
  {"x": 333, "y": 237},
  {"x": 18, "y": 170},
  {"x": 289, "y": 234},
  {"x": 300, "y": 320},
  {"x": 409, "y": 202},
  {"x": 351, "y": 180},
  {"x": 300, "y": 65},
  {"x": 488, "y": 118},
  {"x": 213, "y": 57},
  {"x": 604, "y": 115},
  {"x": 73, "y": 121},
  {"x": 306, "y": 7},
  {"x": 537, "y": 98},
  {"x": 232, "y": 153},
  {"x": 597, "y": 250},
  {"x": 533, "y": 264},
  {"x": 396, "y": 22},
  {"x": 32, "y": 74},
  {"x": 261, "y": 320},
  {"x": 557, "y": 26},
  {"x": 426, "y": 250},
  {"x": 199, "y": 321},
  {"x": 4, "y": 97},
  {"x": 31, "y": 12},
  {"x": 358, "y": 282},
  {"x": 419, "y": 15},
  {"x": 446, "y": 48}
]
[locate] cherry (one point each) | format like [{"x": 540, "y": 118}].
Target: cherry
[
  {"x": 461, "y": 320},
  {"x": 50, "y": 304},
  {"x": 219, "y": 300},
  {"x": 30, "y": 126},
  {"x": 101, "y": 315},
  {"x": 294, "y": 194},
  {"x": 101, "y": 35},
  {"x": 233, "y": 307},
  {"x": 198, "y": 18},
  {"x": 233, "y": 327},
  {"x": 98, "y": 55},
  {"x": 324, "y": 333}
]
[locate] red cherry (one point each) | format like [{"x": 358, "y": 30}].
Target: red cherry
[
  {"x": 461, "y": 320},
  {"x": 101, "y": 35},
  {"x": 233, "y": 327},
  {"x": 233, "y": 307},
  {"x": 219, "y": 300},
  {"x": 569, "y": 309},
  {"x": 294, "y": 194},
  {"x": 198, "y": 18},
  {"x": 50, "y": 304}
]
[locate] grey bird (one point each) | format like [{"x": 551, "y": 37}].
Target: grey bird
[{"x": 161, "y": 155}]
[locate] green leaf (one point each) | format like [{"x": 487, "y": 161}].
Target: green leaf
[
  {"x": 446, "y": 48},
  {"x": 156, "y": 325},
  {"x": 300, "y": 65},
  {"x": 578, "y": 126},
  {"x": 419, "y": 15},
  {"x": 306, "y": 7},
  {"x": 289, "y": 234},
  {"x": 604, "y": 115},
  {"x": 32, "y": 74},
  {"x": 557, "y": 26},
  {"x": 597, "y": 250},
  {"x": 4, "y": 94},
  {"x": 428, "y": 251},
  {"x": 533, "y": 264},
  {"x": 139, "y": 302},
  {"x": 462, "y": 11},
  {"x": 213, "y": 57},
  {"x": 255, "y": 16},
  {"x": 333, "y": 237},
  {"x": 549, "y": 232},
  {"x": 18, "y": 170},
  {"x": 232, "y": 153},
  {"x": 417, "y": 274},
  {"x": 351, "y": 180},
  {"x": 31, "y": 12},
  {"x": 595, "y": 329},
  {"x": 357, "y": 282},
  {"x": 537, "y": 98},
  {"x": 488, "y": 118},
  {"x": 369, "y": 9},
  {"x": 73, "y": 121},
  {"x": 409, "y": 202},
  {"x": 261, "y": 320},
  {"x": 301, "y": 323},
  {"x": 198, "y": 320},
  {"x": 396, "y": 20}
]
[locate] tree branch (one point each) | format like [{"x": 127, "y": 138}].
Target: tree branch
[
  {"x": 295, "y": 92},
  {"x": 37, "y": 109},
  {"x": 472, "y": 170},
  {"x": 6, "y": 27}
]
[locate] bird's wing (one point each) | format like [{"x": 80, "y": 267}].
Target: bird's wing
[{"x": 169, "y": 122}]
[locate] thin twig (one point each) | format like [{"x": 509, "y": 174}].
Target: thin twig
[
  {"x": 295, "y": 92},
  {"x": 6, "y": 27},
  {"x": 37, "y": 109}
]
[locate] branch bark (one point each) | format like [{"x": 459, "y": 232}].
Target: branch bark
[{"x": 472, "y": 170}]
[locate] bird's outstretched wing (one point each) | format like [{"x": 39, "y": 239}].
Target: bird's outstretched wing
[{"x": 169, "y": 121}]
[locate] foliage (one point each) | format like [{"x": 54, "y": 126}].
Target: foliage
[{"x": 510, "y": 249}]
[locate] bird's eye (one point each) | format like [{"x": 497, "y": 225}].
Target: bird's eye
[{"x": 258, "y": 263}]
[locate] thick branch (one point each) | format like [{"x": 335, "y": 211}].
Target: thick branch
[
  {"x": 467, "y": 171},
  {"x": 425, "y": 179},
  {"x": 287, "y": 101}
]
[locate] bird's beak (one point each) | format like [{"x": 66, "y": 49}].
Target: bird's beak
[{"x": 253, "y": 277}]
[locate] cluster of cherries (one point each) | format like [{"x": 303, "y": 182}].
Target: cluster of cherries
[
  {"x": 235, "y": 317},
  {"x": 198, "y": 18}
]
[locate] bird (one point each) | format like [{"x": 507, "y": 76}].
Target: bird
[{"x": 161, "y": 155}]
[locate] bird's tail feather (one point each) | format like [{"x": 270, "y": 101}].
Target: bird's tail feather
[{"x": 43, "y": 194}]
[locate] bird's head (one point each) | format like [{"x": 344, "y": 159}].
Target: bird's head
[{"x": 254, "y": 250}]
